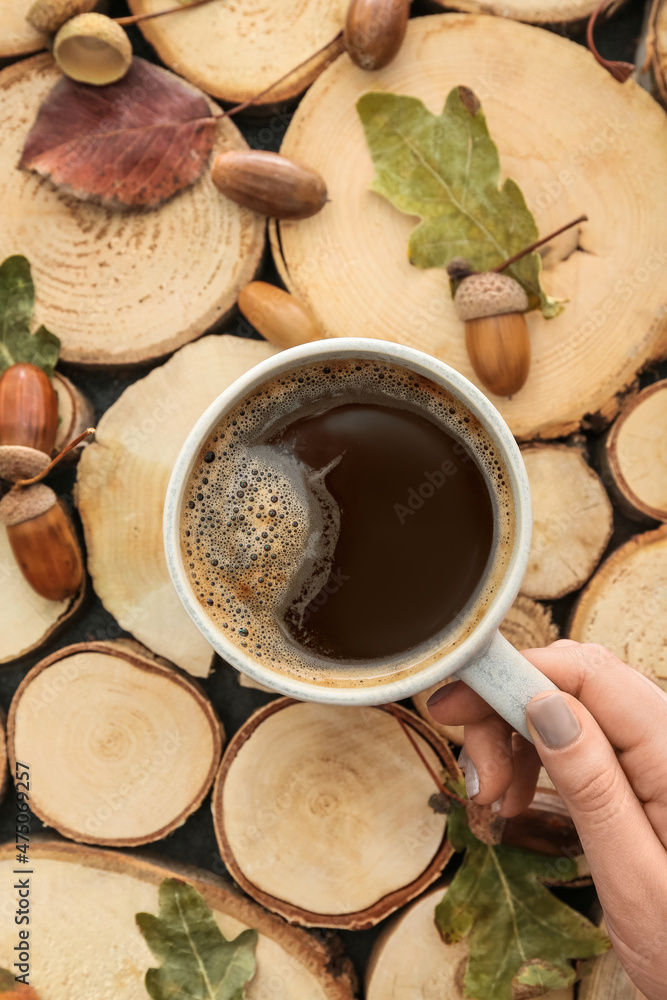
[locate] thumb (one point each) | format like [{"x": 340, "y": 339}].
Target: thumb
[{"x": 583, "y": 766}]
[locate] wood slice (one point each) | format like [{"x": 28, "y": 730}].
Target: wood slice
[
  {"x": 235, "y": 51},
  {"x": 349, "y": 263},
  {"x": 322, "y": 813},
  {"x": 572, "y": 520},
  {"x": 18, "y": 37},
  {"x": 624, "y": 606},
  {"x": 121, "y": 486},
  {"x": 527, "y": 625},
  {"x": 91, "y": 896},
  {"x": 651, "y": 54},
  {"x": 27, "y": 621},
  {"x": 548, "y": 12},
  {"x": 4, "y": 774},
  {"x": 75, "y": 413},
  {"x": 410, "y": 959},
  {"x": 635, "y": 456},
  {"x": 659, "y": 56},
  {"x": 122, "y": 746},
  {"x": 120, "y": 287}
]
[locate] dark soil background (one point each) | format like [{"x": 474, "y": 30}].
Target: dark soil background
[{"x": 195, "y": 842}]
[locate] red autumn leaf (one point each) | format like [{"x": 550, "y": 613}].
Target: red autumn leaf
[{"x": 132, "y": 143}]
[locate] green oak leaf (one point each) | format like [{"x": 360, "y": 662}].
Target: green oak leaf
[
  {"x": 198, "y": 963},
  {"x": 545, "y": 975},
  {"x": 518, "y": 930},
  {"x": 446, "y": 170},
  {"x": 17, "y": 301}
]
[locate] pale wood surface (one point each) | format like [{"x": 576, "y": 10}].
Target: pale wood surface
[
  {"x": 410, "y": 959},
  {"x": 121, "y": 485},
  {"x": 636, "y": 455},
  {"x": 558, "y": 12},
  {"x": 120, "y": 286},
  {"x": 349, "y": 263},
  {"x": 624, "y": 606},
  {"x": 526, "y": 625},
  {"x": 234, "y": 51},
  {"x": 18, "y": 37},
  {"x": 83, "y": 926},
  {"x": 322, "y": 812},
  {"x": 572, "y": 520},
  {"x": 123, "y": 747}
]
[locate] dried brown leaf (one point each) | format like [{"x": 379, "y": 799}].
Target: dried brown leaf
[{"x": 133, "y": 143}]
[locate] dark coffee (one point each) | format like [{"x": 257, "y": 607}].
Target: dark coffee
[
  {"x": 414, "y": 532},
  {"x": 341, "y": 514}
]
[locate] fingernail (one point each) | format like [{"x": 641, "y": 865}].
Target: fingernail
[
  {"x": 497, "y": 805},
  {"x": 471, "y": 774},
  {"x": 555, "y": 722},
  {"x": 439, "y": 695}
]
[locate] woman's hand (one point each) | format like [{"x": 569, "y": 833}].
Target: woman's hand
[{"x": 603, "y": 742}]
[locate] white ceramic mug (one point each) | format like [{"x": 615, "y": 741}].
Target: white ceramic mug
[{"x": 475, "y": 652}]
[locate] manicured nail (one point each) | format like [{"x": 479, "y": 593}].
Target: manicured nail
[
  {"x": 440, "y": 694},
  {"x": 471, "y": 774},
  {"x": 555, "y": 722},
  {"x": 497, "y": 805}
]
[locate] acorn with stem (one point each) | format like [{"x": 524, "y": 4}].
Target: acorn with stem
[
  {"x": 492, "y": 306},
  {"x": 39, "y": 530},
  {"x": 41, "y": 534}
]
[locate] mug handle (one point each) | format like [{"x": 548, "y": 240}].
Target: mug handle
[{"x": 506, "y": 680}]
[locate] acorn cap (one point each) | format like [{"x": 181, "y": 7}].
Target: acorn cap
[
  {"x": 49, "y": 15},
  {"x": 91, "y": 48},
  {"x": 21, "y": 505},
  {"x": 489, "y": 294},
  {"x": 19, "y": 462}
]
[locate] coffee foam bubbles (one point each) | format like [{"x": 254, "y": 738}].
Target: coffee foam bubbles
[{"x": 259, "y": 528}]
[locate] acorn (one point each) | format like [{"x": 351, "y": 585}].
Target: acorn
[
  {"x": 17, "y": 462},
  {"x": 269, "y": 184},
  {"x": 28, "y": 408},
  {"x": 492, "y": 306},
  {"x": 91, "y": 48},
  {"x": 43, "y": 540},
  {"x": 49, "y": 15},
  {"x": 280, "y": 317},
  {"x": 374, "y": 31}
]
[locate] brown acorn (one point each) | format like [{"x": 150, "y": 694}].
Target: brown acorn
[
  {"x": 43, "y": 540},
  {"x": 492, "y": 306},
  {"x": 28, "y": 408},
  {"x": 269, "y": 184},
  {"x": 374, "y": 31},
  {"x": 18, "y": 462},
  {"x": 280, "y": 317}
]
